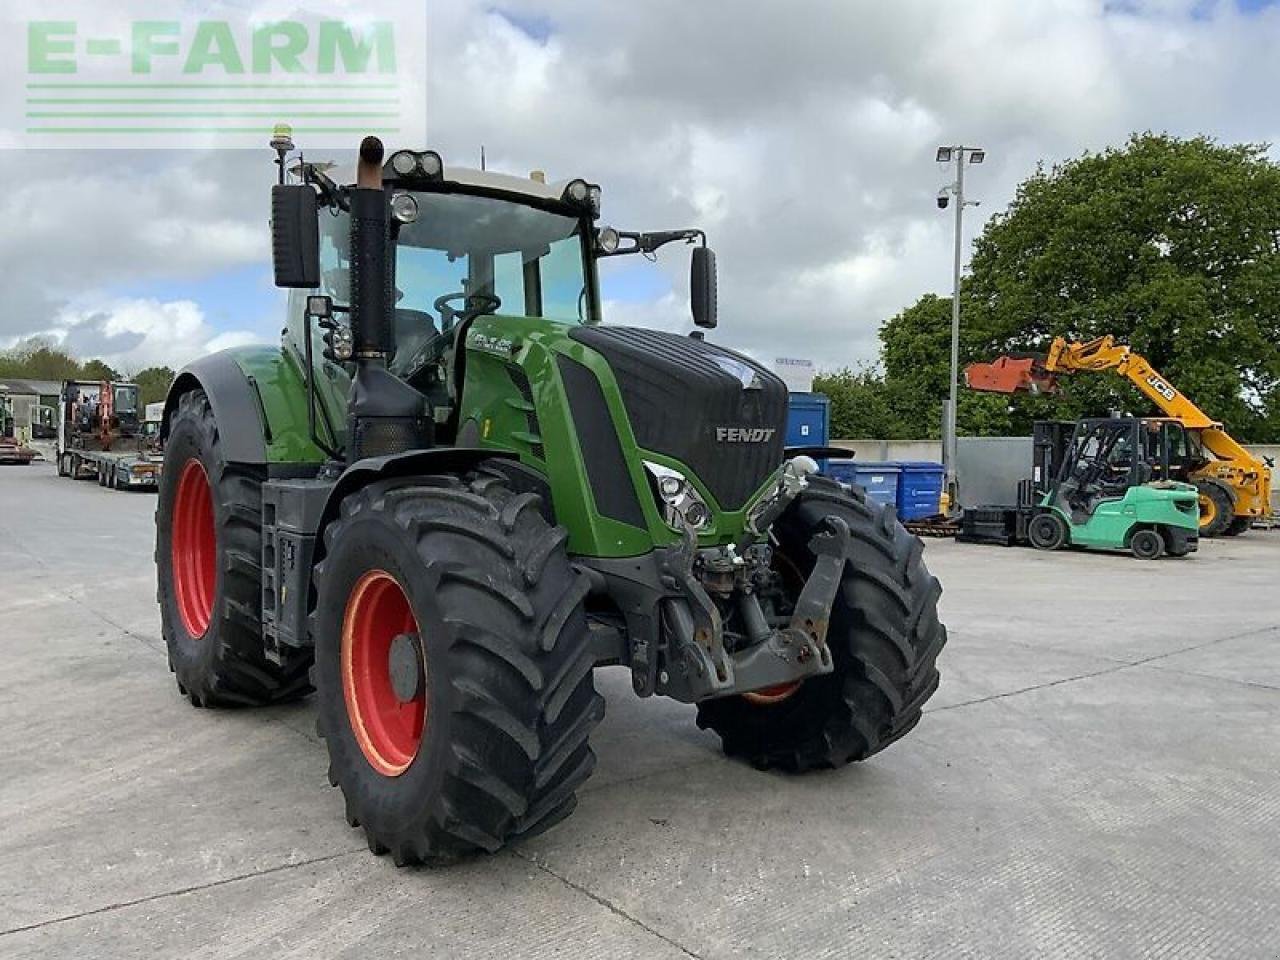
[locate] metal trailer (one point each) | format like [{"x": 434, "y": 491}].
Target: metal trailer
[
  {"x": 100, "y": 436},
  {"x": 118, "y": 469}
]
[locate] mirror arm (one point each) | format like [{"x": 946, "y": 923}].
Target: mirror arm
[{"x": 650, "y": 242}]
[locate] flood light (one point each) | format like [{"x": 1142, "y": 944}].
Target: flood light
[
  {"x": 944, "y": 154},
  {"x": 404, "y": 208},
  {"x": 404, "y": 163}
]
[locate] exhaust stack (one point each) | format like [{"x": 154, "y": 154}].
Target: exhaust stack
[{"x": 387, "y": 415}]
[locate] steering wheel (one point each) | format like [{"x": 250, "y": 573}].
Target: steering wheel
[{"x": 474, "y": 304}]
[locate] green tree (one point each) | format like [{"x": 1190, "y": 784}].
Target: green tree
[
  {"x": 153, "y": 384},
  {"x": 98, "y": 370},
  {"x": 37, "y": 359},
  {"x": 1171, "y": 245},
  {"x": 860, "y": 403}
]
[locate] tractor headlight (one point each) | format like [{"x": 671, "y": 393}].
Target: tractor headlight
[{"x": 681, "y": 504}]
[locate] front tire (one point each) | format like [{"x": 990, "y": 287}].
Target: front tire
[
  {"x": 453, "y": 667},
  {"x": 1047, "y": 531},
  {"x": 208, "y": 559},
  {"x": 884, "y": 635}
]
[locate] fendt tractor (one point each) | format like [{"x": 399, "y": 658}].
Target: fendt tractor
[{"x": 452, "y": 493}]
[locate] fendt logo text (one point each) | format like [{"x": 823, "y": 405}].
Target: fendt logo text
[{"x": 745, "y": 434}]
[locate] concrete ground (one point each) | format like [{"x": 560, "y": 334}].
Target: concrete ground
[{"x": 1098, "y": 776}]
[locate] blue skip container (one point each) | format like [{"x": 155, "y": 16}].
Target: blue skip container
[
  {"x": 919, "y": 489},
  {"x": 880, "y": 480}
]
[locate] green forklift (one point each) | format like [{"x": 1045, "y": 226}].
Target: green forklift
[
  {"x": 1099, "y": 484},
  {"x": 451, "y": 492}
]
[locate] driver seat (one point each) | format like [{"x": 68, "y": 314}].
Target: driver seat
[{"x": 413, "y": 329}]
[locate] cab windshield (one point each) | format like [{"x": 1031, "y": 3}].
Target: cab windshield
[
  {"x": 532, "y": 260},
  {"x": 126, "y": 400}
]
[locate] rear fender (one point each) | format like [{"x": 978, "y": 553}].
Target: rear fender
[
  {"x": 259, "y": 400},
  {"x": 231, "y": 398}
]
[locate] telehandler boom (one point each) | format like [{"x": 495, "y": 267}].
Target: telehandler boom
[{"x": 1234, "y": 485}]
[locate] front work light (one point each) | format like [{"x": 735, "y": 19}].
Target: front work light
[
  {"x": 404, "y": 208},
  {"x": 404, "y": 163},
  {"x": 608, "y": 240}
]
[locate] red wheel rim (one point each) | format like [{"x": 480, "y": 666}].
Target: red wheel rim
[
  {"x": 389, "y": 732},
  {"x": 767, "y": 696},
  {"x": 194, "y": 544}
]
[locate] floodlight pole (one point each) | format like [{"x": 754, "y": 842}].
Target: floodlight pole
[
  {"x": 959, "y": 154},
  {"x": 949, "y": 439}
]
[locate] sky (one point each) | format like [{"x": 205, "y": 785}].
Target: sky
[{"x": 800, "y": 136}]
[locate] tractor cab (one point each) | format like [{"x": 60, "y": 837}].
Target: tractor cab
[{"x": 461, "y": 245}]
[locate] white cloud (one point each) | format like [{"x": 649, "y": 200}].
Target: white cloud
[
  {"x": 131, "y": 334},
  {"x": 800, "y": 136}
]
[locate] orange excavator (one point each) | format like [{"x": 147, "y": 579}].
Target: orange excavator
[{"x": 1234, "y": 485}]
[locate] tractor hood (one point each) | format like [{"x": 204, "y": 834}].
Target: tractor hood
[{"x": 716, "y": 411}]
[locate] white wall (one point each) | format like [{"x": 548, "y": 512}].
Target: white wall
[{"x": 873, "y": 450}]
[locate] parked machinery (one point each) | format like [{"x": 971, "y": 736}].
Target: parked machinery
[
  {"x": 12, "y": 451},
  {"x": 101, "y": 435},
  {"x": 1101, "y": 484},
  {"x": 1234, "y": 485}
]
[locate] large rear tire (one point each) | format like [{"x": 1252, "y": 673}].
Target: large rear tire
[
  {"x": 453, "y": 667},
  {"x": 884, "y": 635},
  {"x": 1217, "y": 509},
  {"x": 209, "y": 562}
]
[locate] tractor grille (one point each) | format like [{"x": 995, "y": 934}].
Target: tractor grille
[{"x": 720, "y": 413}]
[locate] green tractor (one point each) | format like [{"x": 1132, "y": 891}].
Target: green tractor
[
  {"x": 1109, "y": 488},
  {"x": 452, "y": 493}
]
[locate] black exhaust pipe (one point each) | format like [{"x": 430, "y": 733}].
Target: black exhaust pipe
[{"x": 386, "y": 415}]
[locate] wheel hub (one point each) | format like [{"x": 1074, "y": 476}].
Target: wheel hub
[{"x": 404, "y": 663}]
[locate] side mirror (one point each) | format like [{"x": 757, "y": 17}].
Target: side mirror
[
  {"x": 702, "y": 287},
  {"x": 295, "y": 236}
]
